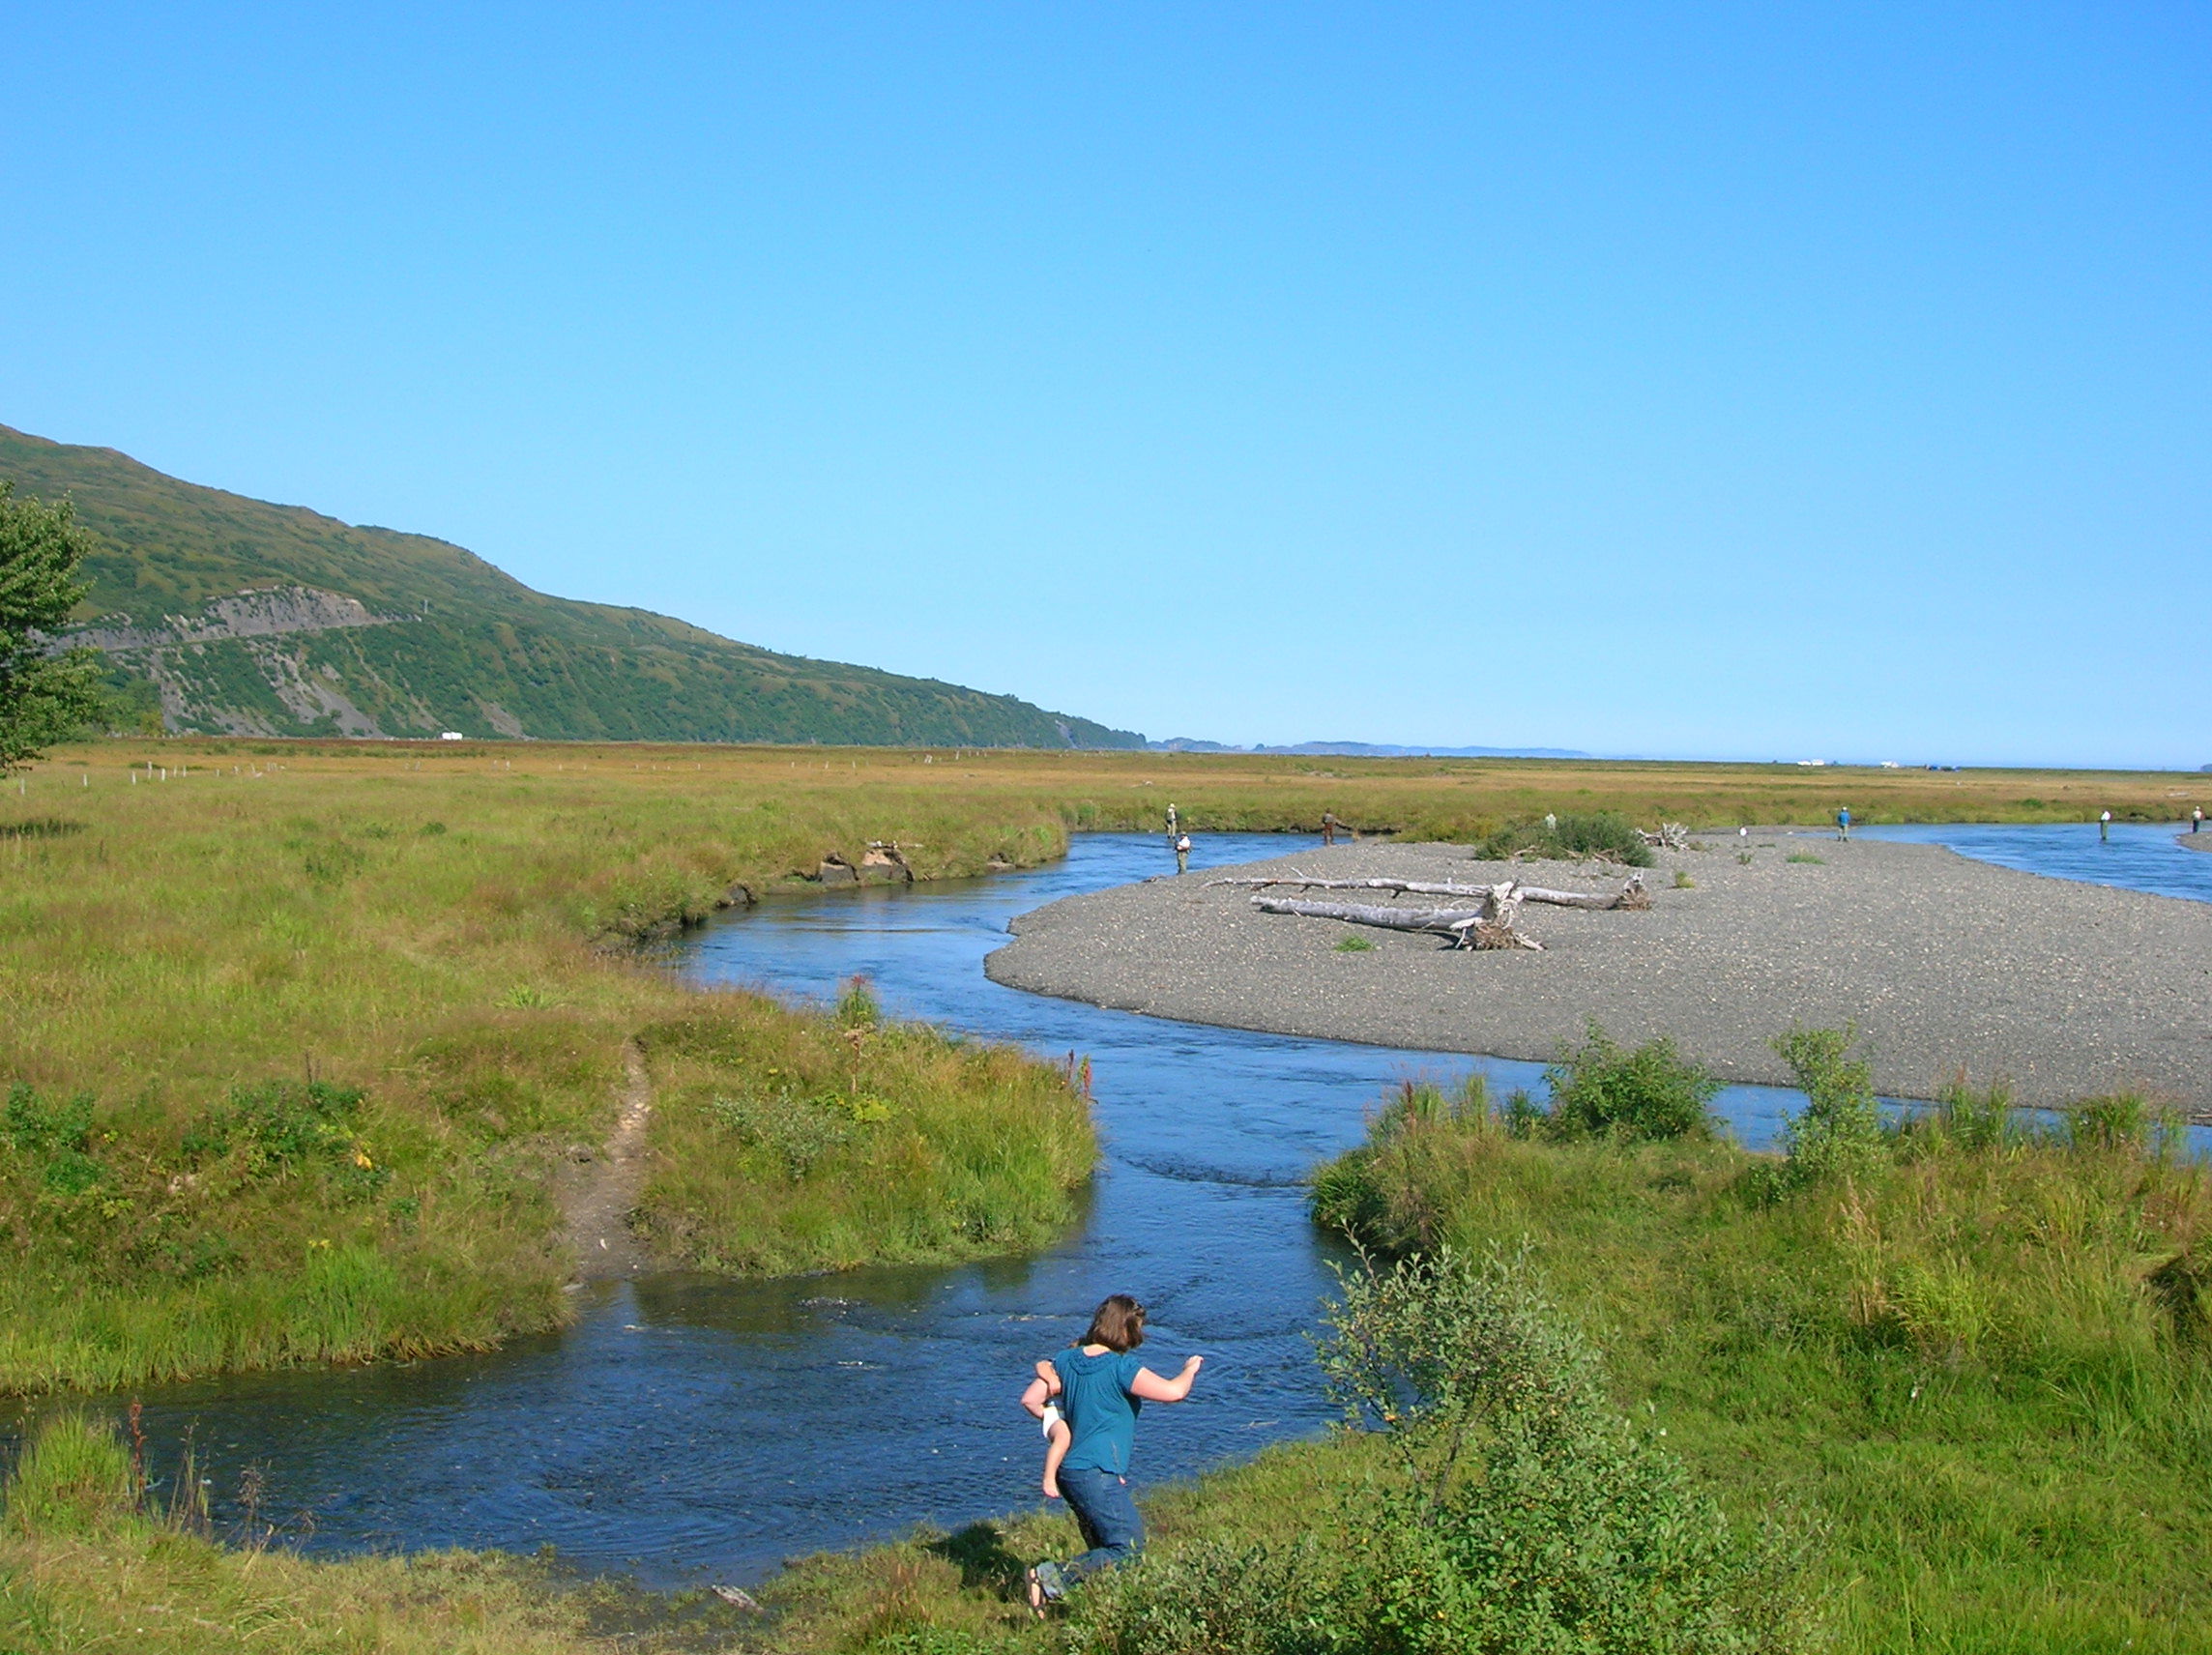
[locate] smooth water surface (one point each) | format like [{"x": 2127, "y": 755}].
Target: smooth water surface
[
  {"x": 2137, "y": 857},
  {"x": 691, "y": 1429}
]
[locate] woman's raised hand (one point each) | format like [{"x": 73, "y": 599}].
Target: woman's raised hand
[{"x": 1151, "y": 1388}]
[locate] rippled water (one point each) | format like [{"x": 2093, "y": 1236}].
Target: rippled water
[{"x": 690, "y": 1428}]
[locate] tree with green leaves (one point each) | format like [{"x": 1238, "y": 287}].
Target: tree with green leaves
[{"x": 45, "y": 695}]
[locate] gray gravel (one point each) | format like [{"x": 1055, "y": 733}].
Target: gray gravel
[
  {"x": 2067, "y": 990},
  {"x": 2198, "y": 841}
]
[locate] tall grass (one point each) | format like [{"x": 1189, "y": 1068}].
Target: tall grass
[
  {"x": 791, "y": 1143},
  {"x": 1975, "y": 1355},
  {"x": 296, "y": 1047}
]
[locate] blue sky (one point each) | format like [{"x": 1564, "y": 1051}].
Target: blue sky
[{"x": 1773, "y": 381}]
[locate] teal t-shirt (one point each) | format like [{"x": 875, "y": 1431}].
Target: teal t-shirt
[{"x": 1100, "y": 1412}]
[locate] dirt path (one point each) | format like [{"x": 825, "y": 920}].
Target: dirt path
[{"x": 599, "y": 1203}]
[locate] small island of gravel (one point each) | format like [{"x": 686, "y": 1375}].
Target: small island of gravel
[{"x": 2065, "y": 990}]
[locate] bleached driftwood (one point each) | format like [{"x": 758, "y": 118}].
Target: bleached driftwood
[
  {"x": 1671, "y": 836},
  {"x": 1628, "y": 896},
  {"x": 1489, "y": 926}
]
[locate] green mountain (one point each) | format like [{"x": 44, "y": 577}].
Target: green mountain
[{"x": 238, "y": 617}]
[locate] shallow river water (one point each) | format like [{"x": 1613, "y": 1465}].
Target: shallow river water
[{"x": 690, "y": 1429}]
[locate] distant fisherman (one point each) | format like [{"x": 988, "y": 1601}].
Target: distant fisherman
[
  {"x": 2104, "y": 828},
  {"x": 1844, "y": 823},
  {"x": 1330, "y": 826},
  {"x": 1182, "y": 854}
]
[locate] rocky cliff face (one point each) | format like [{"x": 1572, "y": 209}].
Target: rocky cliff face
[
  {"x": 258, "y": 680},
  {"x": 269, "y": 613}
]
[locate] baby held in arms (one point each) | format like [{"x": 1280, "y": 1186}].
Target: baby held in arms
[{"x": 1056, "y": 1433}]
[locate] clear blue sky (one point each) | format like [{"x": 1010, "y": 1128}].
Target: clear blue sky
[{"x": 1773, "y": 381}]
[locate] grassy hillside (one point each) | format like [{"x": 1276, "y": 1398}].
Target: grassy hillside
[{"x": 443, "y": 641}]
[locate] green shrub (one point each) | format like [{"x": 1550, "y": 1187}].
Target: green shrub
[
  {"x": 36, "y": 1129},
  {"x": 1650, "y": 1092},
  {"x": 858, "y": 1007},
  {"x": 279, "y": 1126},
  {"x": 1839, "y": 1131},
  {"x": 1602, "y": 833},
  {"x": 53, "y": 1139},
  {"x": 1212, "y": 1598}
]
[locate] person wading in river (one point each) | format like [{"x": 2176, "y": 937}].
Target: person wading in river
[{"x": 1100, "y": 1386}]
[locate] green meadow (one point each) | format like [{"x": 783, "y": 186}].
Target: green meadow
[{"x": 302, "y": 1044}]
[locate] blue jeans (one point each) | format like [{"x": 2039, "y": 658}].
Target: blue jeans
[{"x": 1108, "y": 1517}]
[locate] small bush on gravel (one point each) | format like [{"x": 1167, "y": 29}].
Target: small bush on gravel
[{"x": 1602, "y": 833}]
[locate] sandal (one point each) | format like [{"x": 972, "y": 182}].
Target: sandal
[{"x": 1039, "y": 1596}]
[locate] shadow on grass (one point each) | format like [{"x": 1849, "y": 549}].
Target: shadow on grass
[
  {"x": 40, "y": 827},
  {"x": 979, "y": 1553}
]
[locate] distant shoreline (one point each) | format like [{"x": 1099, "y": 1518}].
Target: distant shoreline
[
  {"x": 2194, "y": 841},
  {"x": 2066, "y": 990}
]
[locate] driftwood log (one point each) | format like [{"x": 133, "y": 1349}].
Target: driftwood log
[
  {"x": 1630, "y": 895},
  {"x": 1489, "y": 926}
]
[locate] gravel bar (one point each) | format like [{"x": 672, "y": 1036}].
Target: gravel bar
[{"x": 2066, "y": 990}]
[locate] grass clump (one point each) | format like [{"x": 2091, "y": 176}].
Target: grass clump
[
  {"x": 1604, "y": 834},
  {"x": 1355, "y": 946},
  {"x": 1806, "y": 856},
  {"x": 786, "y": 1142}
]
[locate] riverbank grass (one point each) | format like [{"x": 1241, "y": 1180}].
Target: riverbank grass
[
  {"x": 791, "y": 1142},
  {"x": 300, "y": 1055},
  {"x": 1974, "y": 1357},
  {"x": 88, "y": 1562}
]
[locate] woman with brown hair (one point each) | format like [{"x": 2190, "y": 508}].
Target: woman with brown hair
[{"x": 1100, "y": 1386}]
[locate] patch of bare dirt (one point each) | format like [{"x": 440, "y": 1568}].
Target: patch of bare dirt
[{"x": 602, "y": 1198}]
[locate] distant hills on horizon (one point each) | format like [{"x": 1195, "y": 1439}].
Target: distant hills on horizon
[
  {"x": 1365, "y": 750},
  {"x": 222, "y": 614}
]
